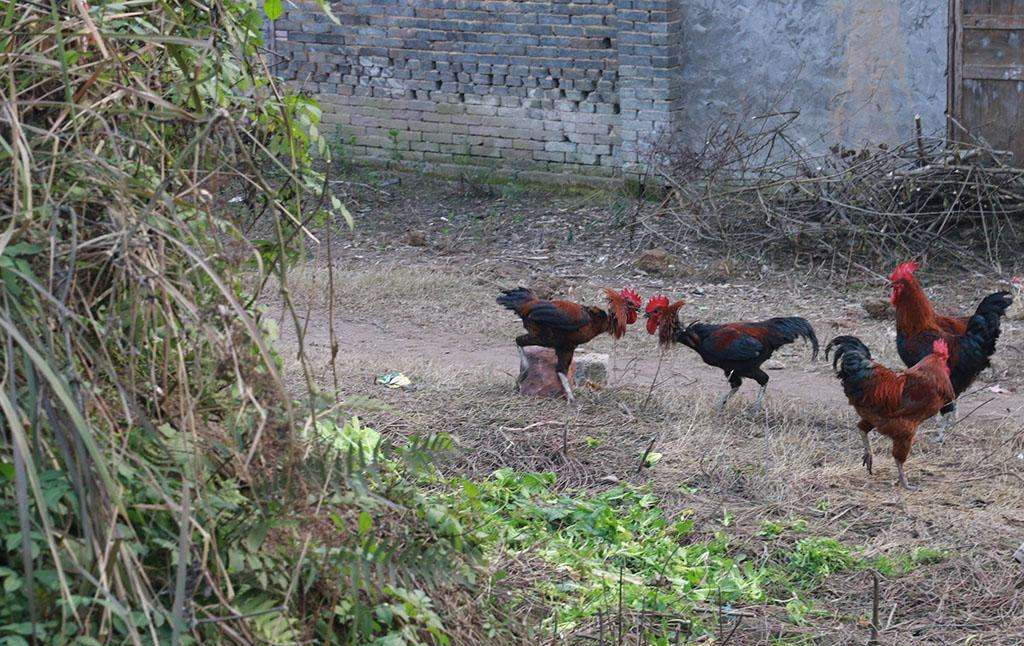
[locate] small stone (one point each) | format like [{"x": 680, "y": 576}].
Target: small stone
[
  {"x": 679, "y": 270},
  {"x": 998, "y": 365},
  {"x": 609, "y": 479},
  {"x": 879, "y": 308},
  {"x": 720, "y": 271},
  {"x": 540, "y": 379},
  {"x": 591, "y": 370},
  {"x": 773, "y": 364},
  {"x": 416, "y": 239},
  {"x": 1016, "y": 309},
  {"x": 549, "y": 287},
  {"x": 1019, "y": 554},
  {"x": 654, "y": 261}
]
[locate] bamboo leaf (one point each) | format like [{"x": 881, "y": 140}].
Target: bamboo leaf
[
  {"x": 64, "y": 395},
  {"x": 21, "y": 448}
]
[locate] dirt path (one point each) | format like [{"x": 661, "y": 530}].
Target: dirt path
[
  {"x": 402, "y": 343},
  {"x": 432, "y": 301}
]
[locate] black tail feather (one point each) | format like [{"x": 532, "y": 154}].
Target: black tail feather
[
  {"x": 791, "y": 328},
  {"x": 852, "y": 363},
  {"x": 514, "y": 299},
  {"x": 979, "y": 341}
]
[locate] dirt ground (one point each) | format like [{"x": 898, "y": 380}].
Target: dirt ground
[{"x": 414, "y": 288}]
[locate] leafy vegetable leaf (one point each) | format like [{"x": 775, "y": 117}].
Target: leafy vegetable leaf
[{"x": 273, "y": 8}]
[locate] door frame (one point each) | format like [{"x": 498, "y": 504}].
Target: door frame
[{"x": 954, "y": 69}]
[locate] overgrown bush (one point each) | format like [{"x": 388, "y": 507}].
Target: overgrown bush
[{"x": 164, "y": 485}]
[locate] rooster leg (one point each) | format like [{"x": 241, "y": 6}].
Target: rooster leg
[
  {"x": 865, "y": 428},
  {"x": 867, "y": 451},
  {"x": 947, "y": 422},
  {"x": 566, "y": 387},
  {"x": 522, "y": 341},
  {"x": 725, "y": 397},
  {"x": 735, "y": 381},
  {"x": 762, "y": 378},
  {"x": 759, "y": 402},
  {"x": 900, "y": 450},
  {"x": 903, "y": 478},
  {"x": 562, "y": 369}
]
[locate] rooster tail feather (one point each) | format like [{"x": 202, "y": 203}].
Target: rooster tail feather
[
  {"x": 515, "y": 299},
  {"x": 852, "y": 363},
  {"x": 790, "y": 328},
  {"x": 992, "y": 308},
  {"x": 979, "y": 341}
]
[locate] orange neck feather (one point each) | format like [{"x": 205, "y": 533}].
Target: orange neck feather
[
  {"x": 617, "y": 313},
  {"x": 668, "y": 324},
  {"x": 914, "y": 311}
]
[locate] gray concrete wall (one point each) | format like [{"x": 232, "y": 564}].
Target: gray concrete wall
[
  {"x": 857, "y": 70},
  {"x": 540, "y": 88}
]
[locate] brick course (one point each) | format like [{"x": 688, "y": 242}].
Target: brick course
[{"x": 536, "y": 89}]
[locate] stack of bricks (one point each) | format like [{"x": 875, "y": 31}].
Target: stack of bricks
[{"x": 533, "y": 90}]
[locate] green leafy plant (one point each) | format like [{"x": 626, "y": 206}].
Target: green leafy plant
[
  {"x": 617, "y": 540},
  {"x": 816, "y": 557}
]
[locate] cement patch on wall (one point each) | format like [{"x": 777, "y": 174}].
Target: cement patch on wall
[{"x": 857, "y": 70}]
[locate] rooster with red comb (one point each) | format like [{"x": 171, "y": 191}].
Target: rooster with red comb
[
  {"x": 888, "y": 402},
  {"x": 564, "y": 325},
  {"x": 738, "y": 349},
  {"x": 971, "y": 340}
]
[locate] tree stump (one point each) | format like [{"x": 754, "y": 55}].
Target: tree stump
[{"x": 540, "y": 379}]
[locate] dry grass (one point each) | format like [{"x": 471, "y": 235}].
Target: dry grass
[
  {"x": 795, "y": 462},
  {"x": 389, "y": 293}
]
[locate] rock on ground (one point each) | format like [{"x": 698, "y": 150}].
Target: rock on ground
[
  {"x": 587, "y": 369},
  {"x": 590, "y": 369},
  {"x": 654, "y": 261},
  {"x": 720, "y": 271},
  {"x": 879, "y": 308},
  {"x": 416, "y": 239},
  {"x": 1016, "y": 310},
  {"x": 550, "y": 287}
]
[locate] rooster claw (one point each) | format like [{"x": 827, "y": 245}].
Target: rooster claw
[
  {"x": 903, "y": 479},
  {"x": 866, "y": 461}
]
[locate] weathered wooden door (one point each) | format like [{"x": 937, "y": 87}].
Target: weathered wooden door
[{"x": 986, "y": 79}]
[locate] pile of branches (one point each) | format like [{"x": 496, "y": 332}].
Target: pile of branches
[{"x": 757, "y": 190}]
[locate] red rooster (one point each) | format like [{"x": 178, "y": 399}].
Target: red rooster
[
  {"x": 738, "y": 349},
  {"x": 564, "y": 325},
  {"x": 918, "y": 326},
  {"x": 894, "y": 404}
]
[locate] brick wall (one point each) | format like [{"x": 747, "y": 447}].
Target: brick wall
[{"x": 535, "y": 89}]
